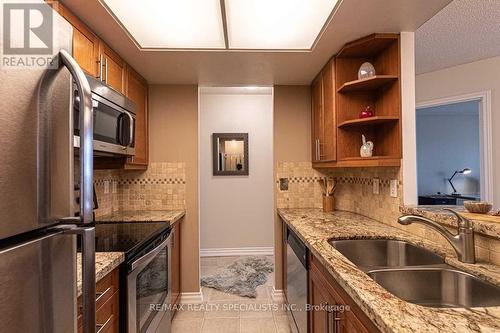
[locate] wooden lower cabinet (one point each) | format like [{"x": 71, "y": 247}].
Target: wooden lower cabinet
[
  {"x": 107, "y": 304},
  {"x": 176, "y": 266},
  {"x": 333, "y": 310}
]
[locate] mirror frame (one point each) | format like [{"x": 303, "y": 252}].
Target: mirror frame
[{"x": 229, "y": 136}]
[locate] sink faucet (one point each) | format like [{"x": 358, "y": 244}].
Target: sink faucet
[{"x": 462, "y": 243}]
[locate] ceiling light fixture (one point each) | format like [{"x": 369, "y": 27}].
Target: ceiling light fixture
[
  {"x": 276, "y": 24},
  {"x": 172, "y": 24}
]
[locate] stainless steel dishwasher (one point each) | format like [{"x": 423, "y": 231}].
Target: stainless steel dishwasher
[{"x": 296, "y": 282}]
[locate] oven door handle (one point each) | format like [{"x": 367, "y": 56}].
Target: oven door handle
[{"x": 145, "y": 259}]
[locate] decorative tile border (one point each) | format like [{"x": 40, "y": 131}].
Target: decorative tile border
[
  {"x": 148, "y": 181},
  {"x": 340, "y": 180}
]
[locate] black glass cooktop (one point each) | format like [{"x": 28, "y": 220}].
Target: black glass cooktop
[{"x": 128, "y": 237}]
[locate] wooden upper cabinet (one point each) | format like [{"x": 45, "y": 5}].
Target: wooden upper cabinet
[
  {"x": 317, "y": 121},
  {"x": 328, "y": 147},
  {"x": 324, "y": 125},
  {"x": 137, "y": 91},
  {"x": 112, "y": 68},
  {"x": 85, "y": 43}
]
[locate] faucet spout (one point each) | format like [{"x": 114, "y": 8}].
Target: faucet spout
[{"x": 462, "y": 243}]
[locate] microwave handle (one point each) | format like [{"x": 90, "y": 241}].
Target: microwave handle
[
  {"x": 131, "y": 131},
  {"x": 86, "y": 190},
  {"x": 119, "y": 129}
]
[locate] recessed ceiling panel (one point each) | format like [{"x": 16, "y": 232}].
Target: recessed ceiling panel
[
  {"x": 276, "y": 24},
  {"x": 173, "y": 24}
]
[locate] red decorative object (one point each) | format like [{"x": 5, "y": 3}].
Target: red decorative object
[{"x": 367, "y": 112}]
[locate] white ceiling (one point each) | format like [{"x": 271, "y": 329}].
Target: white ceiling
[
  {"x": 464, "y": 31},
  {"x": 353, "y": 19}
]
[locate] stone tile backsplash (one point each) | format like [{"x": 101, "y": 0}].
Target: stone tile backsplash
[
  {"x": 162, "y": 186},
  {"x": 355, "y": 194}
]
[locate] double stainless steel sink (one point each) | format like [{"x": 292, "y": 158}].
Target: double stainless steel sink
[{"x": 417, "y": 275}]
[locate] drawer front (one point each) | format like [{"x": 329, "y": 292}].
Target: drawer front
[
  {"x": 106, "y": 288},
  {"x": 107, "y": 316}
]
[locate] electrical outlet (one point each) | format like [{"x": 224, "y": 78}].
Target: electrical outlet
[
  {"x": 115, "y": 186},
  {"x": 106, "y": 187},
  {"x": 376, "y": 186},
  {"x": 394, "y": 188}
]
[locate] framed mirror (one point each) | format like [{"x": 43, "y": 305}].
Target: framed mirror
[{"x": 230, "y": 154}]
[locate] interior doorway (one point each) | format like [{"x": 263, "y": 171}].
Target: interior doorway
[{"x": 453, "y": 139}]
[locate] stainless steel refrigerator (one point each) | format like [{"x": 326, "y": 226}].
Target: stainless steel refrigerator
[{"x": 38, "y": 227}]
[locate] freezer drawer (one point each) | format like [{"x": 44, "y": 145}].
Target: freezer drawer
[{"x": 37, "y": 286}]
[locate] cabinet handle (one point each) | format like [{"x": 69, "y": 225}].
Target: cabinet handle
[
  {"x": 106, "y": 64},
  {"x": 100, "y": 67},
  {"x": 317, "y": 150},
  {"x": 100, "y": 294},
  {"x": 100, "y": 327},
  {"x": 336, "y": 323}
]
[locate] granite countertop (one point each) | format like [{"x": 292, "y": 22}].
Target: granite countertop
[
  {"x": 482, "y": 223},
  {"x": 389, "y": 313},
  {"x": 105, "y": 262},
  {"x": 171, "y": 216}
]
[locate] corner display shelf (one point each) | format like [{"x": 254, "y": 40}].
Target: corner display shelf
[
  {"x": 368, "y": 121},
  {"x": 370, "y": 83},
  {"x": 382, "y": 92}
]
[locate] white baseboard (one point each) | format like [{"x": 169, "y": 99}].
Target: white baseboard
[
  {"x": 191, "y": 298},
  {"x": 237, "y": 251},
  {"x": 278, "y": 295}
]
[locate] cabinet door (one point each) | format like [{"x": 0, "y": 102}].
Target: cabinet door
[
  {"x": 351, "y": 324},
  {"x": 328, "y": 146},
  {"x": 317, "y": 121},
  {"x": 320, "y": 299},
  {"x": 176, "y": 261},
  {"x": 137, "y": 91},
  {"x": 112, "y": 68},
  {"x": 85, "y": 43}
]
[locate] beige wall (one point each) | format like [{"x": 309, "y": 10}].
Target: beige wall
[
  {"x": 173, "y": 137},
  {"x": 292, "y": 123},
  {"x": 469, "y": 78},
  {"x": 292, "y": 137}
]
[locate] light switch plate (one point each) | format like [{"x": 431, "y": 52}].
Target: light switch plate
[
  {"x": 376, "y": 186},
  {"x": 115, "y": 186},
  {"x": 106, "y": 187},
  {"x": 394, "y": 188}
]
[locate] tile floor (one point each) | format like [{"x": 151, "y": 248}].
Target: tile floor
[{"x": 226, "y": 313}]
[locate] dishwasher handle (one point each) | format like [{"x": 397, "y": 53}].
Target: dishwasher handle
[{"x": 298, "y": 247}]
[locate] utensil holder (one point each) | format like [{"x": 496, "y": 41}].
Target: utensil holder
[{"x": 328, "y": 203}]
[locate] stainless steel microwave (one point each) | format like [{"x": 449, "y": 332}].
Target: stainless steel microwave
[{"x": 114, "y": 120}]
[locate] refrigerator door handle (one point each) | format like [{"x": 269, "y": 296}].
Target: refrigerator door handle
[
  {"x": 86, "y": 137},
  {"x": 86, "y": 229},
  {"x": 87, "y": 234}
]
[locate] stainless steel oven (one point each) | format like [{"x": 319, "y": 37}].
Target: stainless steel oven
[
  {"x": 148, "y": 286},
  {"x": 114, "y": 120}
]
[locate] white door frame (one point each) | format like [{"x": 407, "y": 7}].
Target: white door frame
[{"x": 486, "y": 138}]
